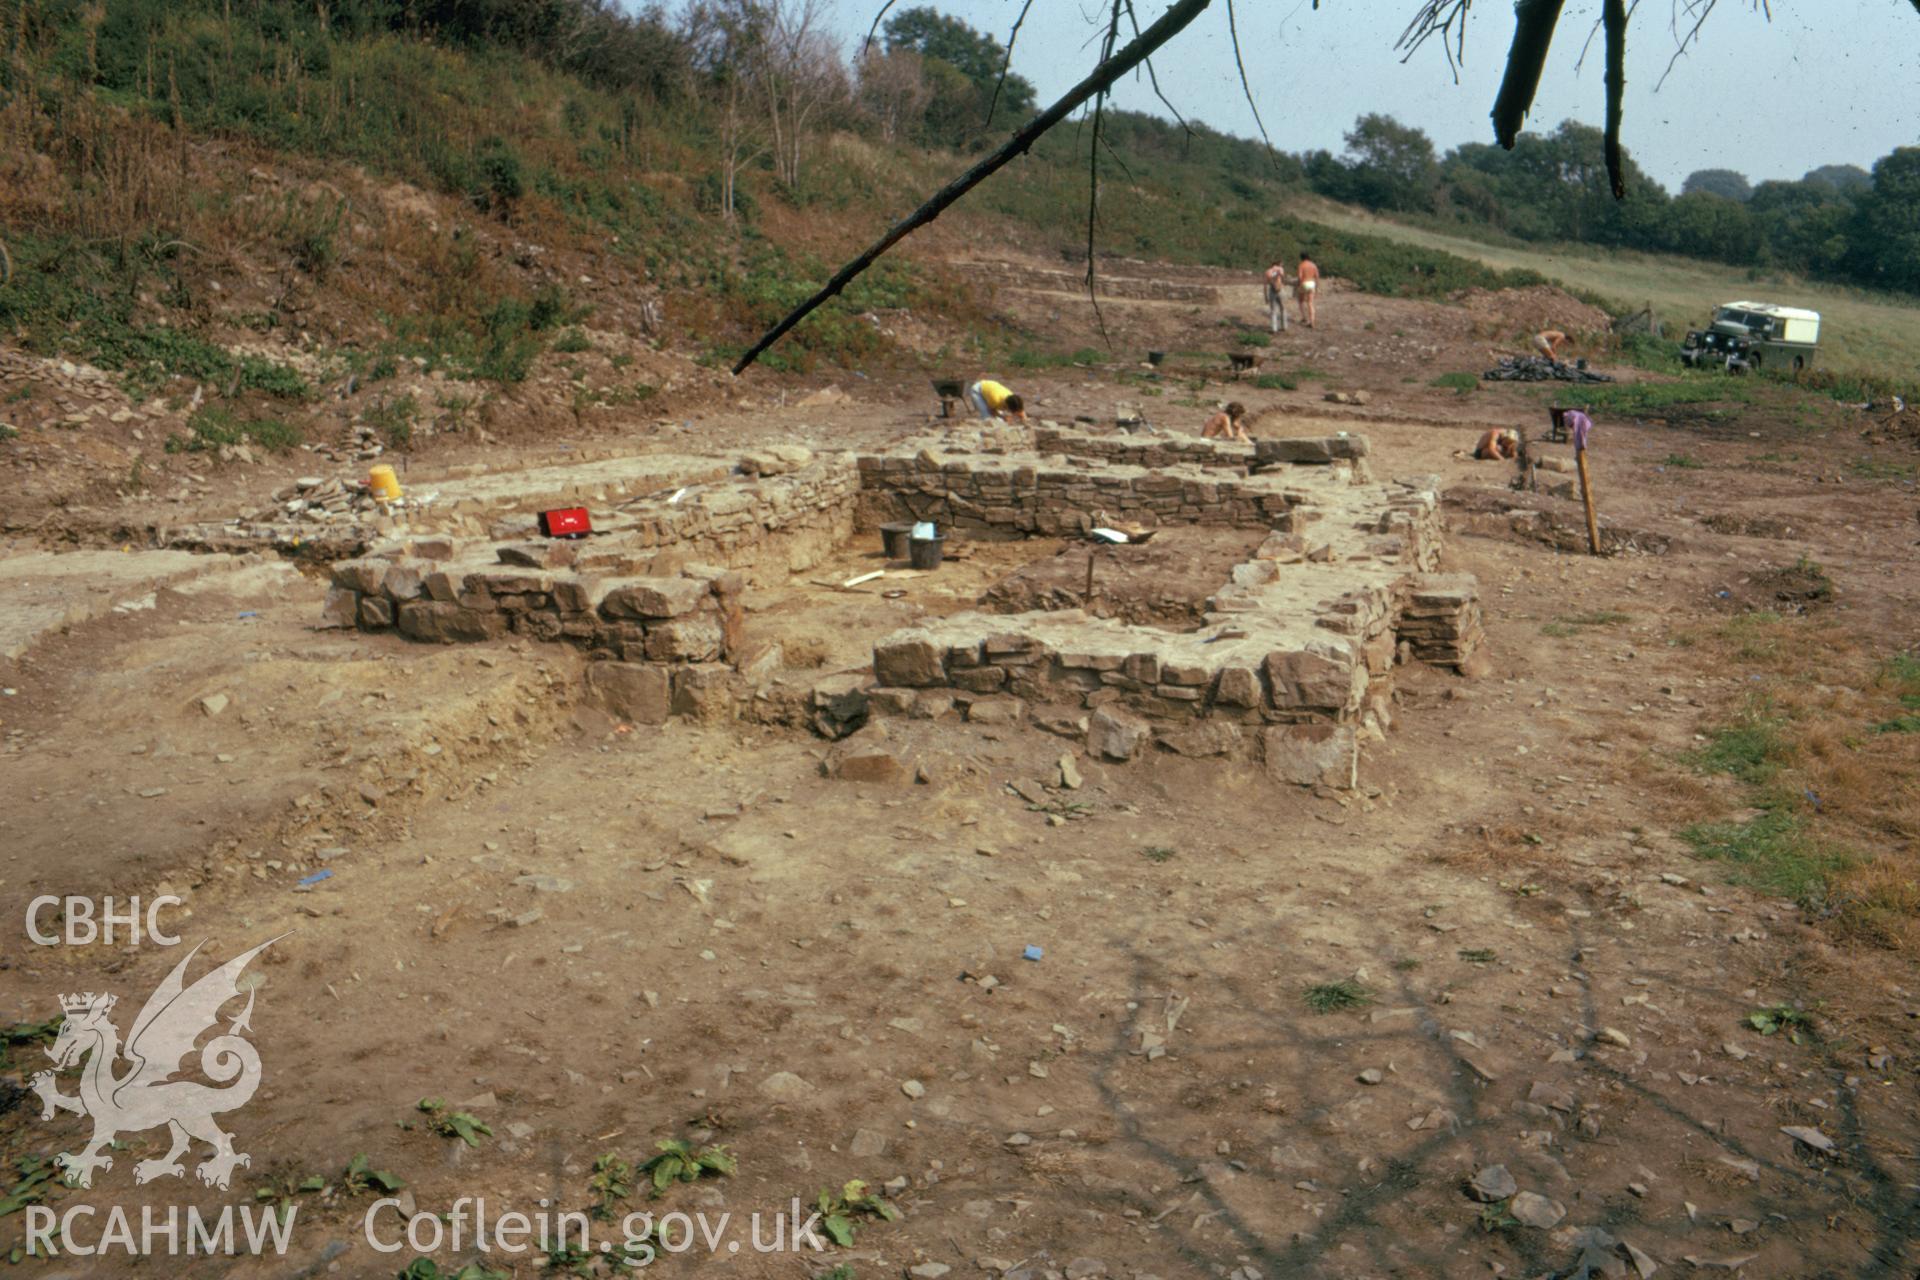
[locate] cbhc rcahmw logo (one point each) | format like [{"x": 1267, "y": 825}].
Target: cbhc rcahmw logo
[{"x": 82, "y": 921}]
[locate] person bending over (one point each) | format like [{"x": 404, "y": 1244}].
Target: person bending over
[
  {"x": 1497, "y": 445},
  {"x": 1548, "y": 343},
  {"x": 1228, "y": 424},
  {"x": 991, "y": 400}
]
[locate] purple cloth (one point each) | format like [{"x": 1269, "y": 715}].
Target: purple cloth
[{"x": 1580, "y": 425}]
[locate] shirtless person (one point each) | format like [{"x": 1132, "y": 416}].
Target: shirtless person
[
  {"x": 1497, "y": 446},
  {"x": 1548, "y": 343},
  {"x": 1277, "y": 296},
  {"x": 1228, "y": 424},
  {"x": 1306, "y": 282}
]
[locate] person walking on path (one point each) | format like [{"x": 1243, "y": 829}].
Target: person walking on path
[
  {"x": 1276, "y": 294},
  {"x": 1306, "y": 282}
]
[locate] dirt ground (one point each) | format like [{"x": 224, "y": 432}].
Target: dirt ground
[{"x": 593, "y": 937}]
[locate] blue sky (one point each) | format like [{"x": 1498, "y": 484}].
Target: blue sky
[{"x": 1825, "y": 82}]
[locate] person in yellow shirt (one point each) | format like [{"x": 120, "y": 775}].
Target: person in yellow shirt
[{"x": 992, "y": 400}]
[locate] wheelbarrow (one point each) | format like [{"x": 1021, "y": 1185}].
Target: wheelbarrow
[
  {"x": 1242, "y": 362},
  {"x": 950, "y": 390}
]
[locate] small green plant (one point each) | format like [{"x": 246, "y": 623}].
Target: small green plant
[
  {"x": 282, "y": 1192},
  {"x": 1276, "y": 382},
  {"x": 1682, "y": 462},
  {"x": 1752, "y": 751},
  {"x": 1479, "y": 955},
  {"x": 454, "y": 1124},
  {"x": 383, "y": 369},
  {"x": 612, "y": 1181},
  {"x": 1875, "y": 469},
  {"x": 1257, "y": 340},
  {"x": 36, "y": 1175},
  {"x": 8, "y": 431},
  {"x": 838, "y": 1213},
  {"x": 1494, "y": 1217},
  {"x": 1574, "y": 623},
  {"x": 1460, "y": 383},
  {"x": 1157, "y": 853},
  {"x": 394, "y": 419},
  {"x": 361, "y": 1178},
  {"x": 428, "y": 1269},
  {"x": 1774, "y": 1019},
  {"x": 1331, "y": 997},
  {"x": 679, "y": 1162},
  {"x": 26, "y": 1033},
  {"x": 214, "y": 428},
  {"x": 1405, "y": 964},
  {"x": 1773, "y": 852},
  {"x": 572, "y": 342}
]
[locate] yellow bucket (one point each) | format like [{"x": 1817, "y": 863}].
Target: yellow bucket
[{"x": 383, "y": 483}]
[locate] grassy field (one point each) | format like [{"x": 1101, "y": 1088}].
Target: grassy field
[{"x": 1861, "y": 332}]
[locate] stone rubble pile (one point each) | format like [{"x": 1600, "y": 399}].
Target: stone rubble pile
[{"x": 1540, "y": 369}]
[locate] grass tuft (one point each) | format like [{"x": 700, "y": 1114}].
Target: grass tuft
[{"x": 1331, "y": 997}]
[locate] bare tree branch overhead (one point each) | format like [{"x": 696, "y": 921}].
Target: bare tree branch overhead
[
  {"x": 1442, "y": 21},
  {"x": 1171, "y": 24}
]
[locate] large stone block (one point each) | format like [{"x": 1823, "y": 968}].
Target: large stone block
[
  {"x": 364, "y": 576},
  {"x": 653, "y": 597},
  {"x": 1312, "y": 754},
  {"x": 376, "y": 614},
  {"x": 696, "y": 639},
  {"x": 637, "y": 691},
  {"x": 1116, "y": 734},
  {"x": 1311, "y": 450},
  {"x": 434, "y": 622},
  {"x": 1306, "y": 680},
  {"x": 341, "y": 609},
  {"x": 910, "y": 660},
  {"x": 1237, "y": 687},
  {"x": 706, "y": 691},
  {"x": 403, "y": 581}
]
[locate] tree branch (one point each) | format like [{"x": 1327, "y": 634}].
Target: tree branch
[
  {"x": 1170, "y": 24},
  {"x": 1007, "y": 64},
  {"x": 1535, "y": 21},
  {"x": 1615, "y": 17},
  {"x": 1247, "y": 89}
]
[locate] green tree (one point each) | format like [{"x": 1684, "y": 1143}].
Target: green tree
[
  {"x": 978, "y": 58},
  {"x": 1848, "y": 178},
  {"x": 1391, "y": 165},
  {"x": 1886, "y": 236},
  {"x": 1725, "y": 183},
  {"x": 1708, "y": 226}
]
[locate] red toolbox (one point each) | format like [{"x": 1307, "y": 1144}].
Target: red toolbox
[{"x": 566, "y": 522}]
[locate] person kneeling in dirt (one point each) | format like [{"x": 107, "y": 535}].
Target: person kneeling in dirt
[
  {"x": 991, "y": 400},
  {"x": 1228, "y": 424},
  {"x": 1497, "y": 446},
  {"x": 1548, "y": 343}
]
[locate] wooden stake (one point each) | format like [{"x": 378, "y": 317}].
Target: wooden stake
[{"x": 1586, "y": 496}]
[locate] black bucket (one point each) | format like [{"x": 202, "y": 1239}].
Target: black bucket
[
  {"x": 1155, "y": 357},
  {"x": 925, "y": 552},
  {"x": 895, "y": 537}
]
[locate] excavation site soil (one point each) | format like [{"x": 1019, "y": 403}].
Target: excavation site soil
[{"x": 1294, "y": 888}]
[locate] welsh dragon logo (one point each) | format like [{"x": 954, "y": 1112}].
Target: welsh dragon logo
[{"x": 143, "y": 1096}]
